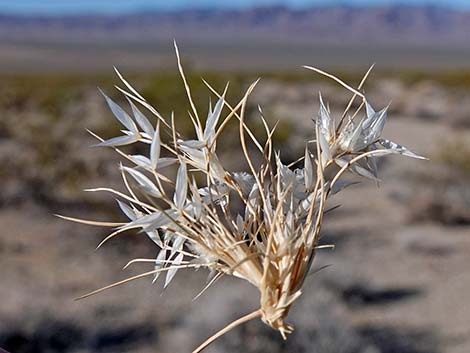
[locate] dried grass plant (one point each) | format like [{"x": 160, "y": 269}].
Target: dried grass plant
[{"x": 272, "y": 240}]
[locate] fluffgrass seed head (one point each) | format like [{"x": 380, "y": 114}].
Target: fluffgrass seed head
[{"x": 271, "y": 241}]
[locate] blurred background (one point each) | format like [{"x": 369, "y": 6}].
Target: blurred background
[{"x": 399, "y": 276}]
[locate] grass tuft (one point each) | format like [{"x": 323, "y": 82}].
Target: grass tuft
[{"x": 262, "y": 224}]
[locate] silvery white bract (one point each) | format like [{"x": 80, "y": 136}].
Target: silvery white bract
[
  {"x": 354, "y": 135},
  {"x": 261, "y": 225}
]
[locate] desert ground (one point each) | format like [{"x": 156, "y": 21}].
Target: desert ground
[
  {"x": 397, "y": 280},
  {"x": 65, "y": 55}
]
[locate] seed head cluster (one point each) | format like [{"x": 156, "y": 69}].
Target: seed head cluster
[{"x": 261, "y": 225}]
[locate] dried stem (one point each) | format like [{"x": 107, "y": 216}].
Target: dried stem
[{"x": 255, "y": 314}]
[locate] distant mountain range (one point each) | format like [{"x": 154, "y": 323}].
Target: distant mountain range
[{"x": 387, "y": 25}]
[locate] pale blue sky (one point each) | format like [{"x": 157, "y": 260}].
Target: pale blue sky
[{"x": 119, "y": 6}]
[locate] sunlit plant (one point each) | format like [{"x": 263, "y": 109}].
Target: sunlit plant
[{"x": 188, "y": 203}]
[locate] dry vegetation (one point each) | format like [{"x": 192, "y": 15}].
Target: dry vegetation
[{"x": 390, "y": 291}]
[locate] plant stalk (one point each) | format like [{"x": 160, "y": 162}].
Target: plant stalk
[{"x": 243, "y": 319}]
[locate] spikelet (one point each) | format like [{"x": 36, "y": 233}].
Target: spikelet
[{"x": 271, "y": 242}]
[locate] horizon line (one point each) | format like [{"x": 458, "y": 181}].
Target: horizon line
[{"x": 166, "y": 10}]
